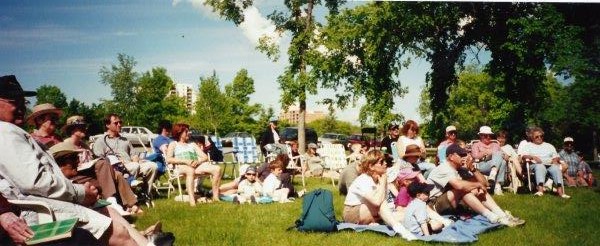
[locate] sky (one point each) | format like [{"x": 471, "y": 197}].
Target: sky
[{"x": 66, "y": 43}]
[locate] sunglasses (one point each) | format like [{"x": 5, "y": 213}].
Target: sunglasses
[
  {"x": 452, "y": 133},
  {"x": 251, "y": 174},
  {"x": 117, "y": 123},
  {"x": 486, "y": 135},
  {"x": 538, "y": 136}
]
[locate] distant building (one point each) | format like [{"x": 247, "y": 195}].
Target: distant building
[
  {"x": 293, "y": 113},
  {"x": 187, "y": 92}
]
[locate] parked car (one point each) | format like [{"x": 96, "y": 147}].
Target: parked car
[
  {"x": 291, "y": 134},
  {"x": 226, "y": 141},
  {"x": 136, "y": 135},
  {"x": 357, "y": 138},
  {"x": 334, "y": 138}
]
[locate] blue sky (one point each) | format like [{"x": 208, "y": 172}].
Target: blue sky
[{"x": 65, "y": 43}]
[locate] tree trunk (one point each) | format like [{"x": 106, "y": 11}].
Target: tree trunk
[
  {"x": 595, "y": 144},
  {"x": 302, "y": 113}
]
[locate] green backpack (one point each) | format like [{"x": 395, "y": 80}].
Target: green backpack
[{"x": 317, "y": 212}]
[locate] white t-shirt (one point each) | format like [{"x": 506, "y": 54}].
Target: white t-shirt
[
  {"x": 522, "y": 145},
  {"x": 440, "y": 176},
  {"x": 362, "y": 186},
  {"x": 271, "y": 184},
  {"x": 246, "y": 188},
  {"x": 545, "y": 151},
  {"x": 275, "y": 136},
  {"x": 405, "y": 141},
  {"x": 508, "y": 150}
]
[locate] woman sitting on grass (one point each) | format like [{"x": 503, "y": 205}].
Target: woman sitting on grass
[
  {"x": 272, "y": 184},
  {"x": 191, "y": 161},
  {"x": 365, "y": 203}
]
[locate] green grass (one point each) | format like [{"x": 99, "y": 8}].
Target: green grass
[{"x": 550, "y": 221}]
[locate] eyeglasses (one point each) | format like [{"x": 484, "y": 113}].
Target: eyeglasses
[
  {"x": 13, "y": 101},
  {"x": 452, "y": 133},
  {"x": 117, "y": 123},
  {"x": 51, "y": 117},
  {"x": 486, "y": 136},
  {"x": 538, "y": 136},
  {"x": 251, "y": 174}
]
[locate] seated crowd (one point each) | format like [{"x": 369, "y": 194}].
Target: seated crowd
[{"x": 395, "y": 185}]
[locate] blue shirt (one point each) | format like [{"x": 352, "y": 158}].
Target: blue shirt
[
  {"x": 415, "y": 215},
  {"x": 159, "y": 141}
]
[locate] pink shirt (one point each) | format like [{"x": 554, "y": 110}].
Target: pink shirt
[
  {"x": 47, "y": 141},
  {"x": 479, "y": 149},
  {"x": 403, "y": 199}
]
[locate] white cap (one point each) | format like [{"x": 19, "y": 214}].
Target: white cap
[
  {"x": 485, "y": 130},
  {"x": 568, "y": 139},
  {"x": 450, "y": 128}
]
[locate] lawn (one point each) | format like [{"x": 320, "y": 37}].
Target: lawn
[{"x": 550, "y": 221}]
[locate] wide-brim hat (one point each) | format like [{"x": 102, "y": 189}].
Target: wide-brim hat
[
  {"x": 406, "y": 173},
  {"x": 73, "y": 121},
  {"x": 11, "y": 89},
  {"x": 485, "y": 130},
  {"x": 63, "y": 149},
  {"x": 412, "y": 150},
  {"x": 41, "y": 109}
]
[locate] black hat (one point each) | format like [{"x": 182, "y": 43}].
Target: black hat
[
  {"x": 456, "y": 149},
  {"x": 10, "y": 88},
  {"x": 415, "y": 188},
  {"x": 393, "y": 126}
]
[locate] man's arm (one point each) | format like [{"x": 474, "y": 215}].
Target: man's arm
[{"x": 33, "y": 171}]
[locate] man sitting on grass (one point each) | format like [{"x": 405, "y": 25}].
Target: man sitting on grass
[{"x": 458, "y": 182}]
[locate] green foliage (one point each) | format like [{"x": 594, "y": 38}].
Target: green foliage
[
  {"x": 123, "y": 81},
  {"x": 153, "y": 100},
  {"x": 51, "y": 94},
  {"x": 213, "y": 110},
  {"x": 330, "y": 124}
]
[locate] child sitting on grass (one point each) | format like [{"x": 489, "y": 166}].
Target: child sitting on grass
[
  {"x": 272, "y": 184},
  {"x": 416, "y": 218},
  {"x": 249, "y": 188}
]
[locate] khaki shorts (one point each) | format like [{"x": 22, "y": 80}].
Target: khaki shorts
[
  {"x": 351, "y": 214},
  {"x": 442, "y": 204}
]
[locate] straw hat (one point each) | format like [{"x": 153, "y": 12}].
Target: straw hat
[
  {"x": 41, "y": 109},
  {"x": 73, "y": 121},
  {"x": 412, "y": 150},
  {"x": 63, "y": 149},
  {"x": 485, "y": 130}
]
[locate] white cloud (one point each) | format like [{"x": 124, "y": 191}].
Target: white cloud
[{"x": 254, "y": 27}]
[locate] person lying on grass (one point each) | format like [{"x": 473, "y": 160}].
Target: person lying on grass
[
  {"x": 416, "y": 217},
  {"x": 272, "y": 185},
  {"x": 365, "y": 203},
  {"x": 457, "y": 182}
]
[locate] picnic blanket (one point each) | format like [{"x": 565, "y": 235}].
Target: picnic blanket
[
  {"x": 461, "y": 231},
  {"x": 259, "y": 200}
]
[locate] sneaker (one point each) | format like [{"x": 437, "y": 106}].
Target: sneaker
[
  {"x": 516, "y": 220},
  {"x": 162, "y": 239},
  {"x": 498, "y": 190},
  {"x": 236, "y": 200},
  {"x": 539, "y": 193},
  {"x": 565, "y": 196},
  {"x": 252, "y": 199},
  {"x": 506, "y": 221}
]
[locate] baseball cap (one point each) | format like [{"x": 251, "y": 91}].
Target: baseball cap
[
  {"x": 568, "y": 139},
  {"x": 450, "y": 128},
  {"x": 456, "y": 149}
]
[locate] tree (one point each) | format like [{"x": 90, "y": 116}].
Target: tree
[
  {"x": 154, "y": 102},
  {"x": 213, "y": 110},
  {"x": 297, "y": 81},
  {"x": 51, "y": 94},
  {"x": 123, "y": 81},
  {"x": 238, "y": 93}
]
